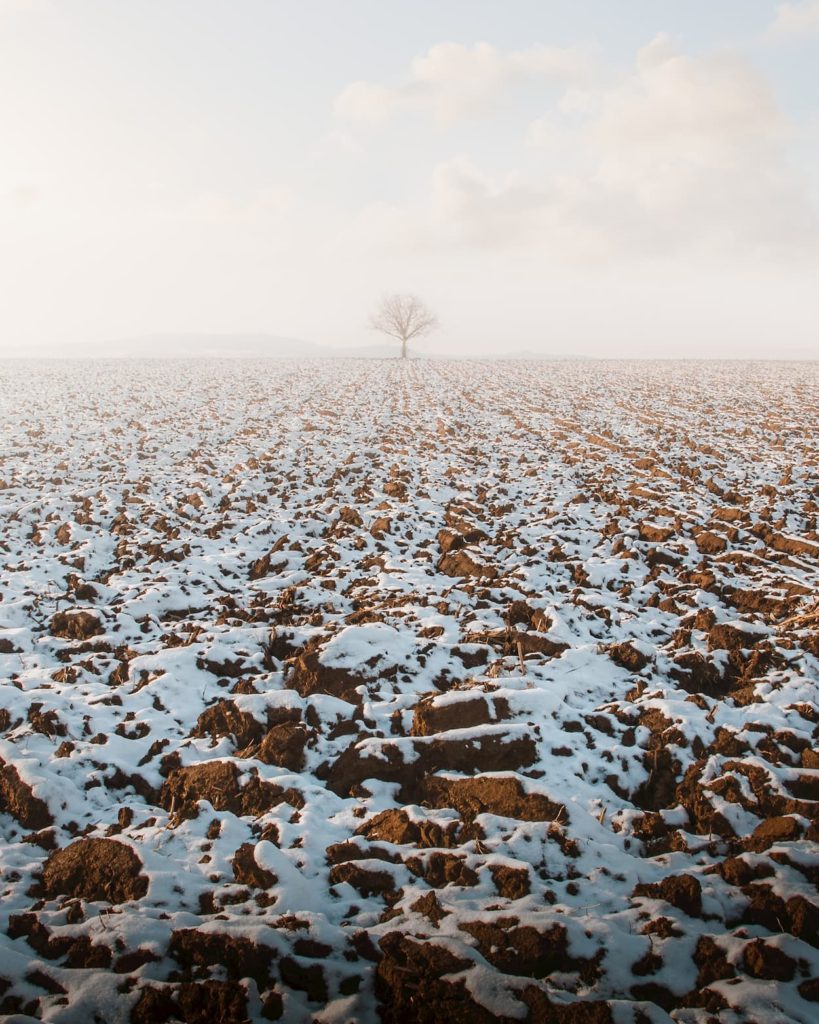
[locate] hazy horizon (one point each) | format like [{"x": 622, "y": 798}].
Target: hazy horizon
[
  {"x": 260, "y": 347},
  {"x": 580, "y": 179}
]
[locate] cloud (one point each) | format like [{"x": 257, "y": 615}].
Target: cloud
[
  {"x": 688, "y": 133},
  {"x": 452, "y": 81},
  {"x": 797, "y": 19},
  {"x": 681, "y": 155}
]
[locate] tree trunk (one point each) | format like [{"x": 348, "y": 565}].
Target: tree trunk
[{"x": 403, "y": 348}]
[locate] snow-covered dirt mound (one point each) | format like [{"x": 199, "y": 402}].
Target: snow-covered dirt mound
[{"x": 413, "y": 692}]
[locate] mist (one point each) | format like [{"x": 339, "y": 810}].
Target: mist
[{"x": 584, "y": 182}]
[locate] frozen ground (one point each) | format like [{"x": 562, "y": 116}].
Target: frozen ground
[{"x": 434, "y": 692}]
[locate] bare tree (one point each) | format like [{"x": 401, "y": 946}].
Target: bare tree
[{"x": 403, "y": 317}]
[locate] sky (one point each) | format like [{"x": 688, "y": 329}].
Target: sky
[{"x": 638, "y": 179}]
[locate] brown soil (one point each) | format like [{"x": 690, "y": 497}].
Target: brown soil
[
  {"x": 225, "y": 719},
  {"x": 462, "y": 564},
  {"x": 391, "y": 826},
  {"x": 542, "y": 1011},
  {"x": 411, "y": 988},
  {"x": 75, "y": 625},
  {"x": 95, "y": 869},
  {"x": 511, "y": 883},
  {"x": 487, "y": 753},
  {"x": 781, "y": 829},
  {"x": 283, "y": 745},
  {"x": 429, "y": 718},
  {"x": 309, "y": 979},
  {"x": 440, "y": 869},
  {"x": 218, "y": 783},
  {"x": 246, "y": 871},
  {"x": 522, "y": 950},
  {"x": 502, "y": 795},
  {"x": 681, "y": 891},
  {"x": 763, "y": 960},
  {"x": 18, "y": 800},
  {"x": 78, "y": 952},
  {"x": 430, "y": 907},
  {"x": 197, "y": 951},
  {"x": 192, "y": 1002},
  {"x": 366, "y": 880},
  {"x": 310, "y": 676},
  {"x": 711, "y": 961},
  {"x": 628, "y": 657},
  {"x": 725, "y": 637}
]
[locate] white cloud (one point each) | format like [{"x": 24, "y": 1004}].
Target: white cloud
[
  {"x": 683, "y": 155},
  {"x": 680, "y": 127},
  {"x": 796, "y": 18},
  {"x": 452, "y": 81},
  {"x": 687, "y": 106},
  {"x": 481, "y": 211}
]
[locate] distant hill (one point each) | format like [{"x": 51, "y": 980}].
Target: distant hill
[
  {"x": 206, "y": 346},
  {"x": 527, "y": 353},
  {"x": 258, "y": 346},
  {"x": 243, "y": 346},
  {"x": 237, "y": 346},
  {"x": 276, "y": 346}
]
